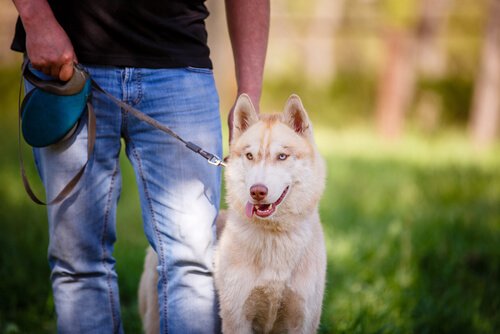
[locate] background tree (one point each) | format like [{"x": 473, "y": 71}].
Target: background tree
[
  {"x": 412, "y": 49},
  {"x": 486, "y": 100}
]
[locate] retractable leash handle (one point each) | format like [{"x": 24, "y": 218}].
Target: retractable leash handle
[{"x": 76, "y": 88}]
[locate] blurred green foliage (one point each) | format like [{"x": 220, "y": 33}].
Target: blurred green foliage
[
  {"x": 347, "y": 100},
  {"x": 350, "y": 99},
  {"x": 456, "y": 96}
]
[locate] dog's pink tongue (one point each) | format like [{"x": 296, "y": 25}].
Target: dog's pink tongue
[{"x": 249, "y": 210}]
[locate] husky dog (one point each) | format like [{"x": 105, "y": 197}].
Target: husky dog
[
  {"x": 270, "y": 263},
  {"x": 271, "y": 260}
]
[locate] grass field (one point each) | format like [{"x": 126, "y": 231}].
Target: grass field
[
  {"x": 412, "y": 229},
  {"x": 413, "y": 237}
]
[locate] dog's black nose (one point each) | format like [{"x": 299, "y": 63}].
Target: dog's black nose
[{"x": 258, "y": 192}]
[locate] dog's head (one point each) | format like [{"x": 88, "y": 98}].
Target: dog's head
[{"x": 275, "y": 174}]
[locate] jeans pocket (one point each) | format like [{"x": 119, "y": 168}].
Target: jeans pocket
[{"x": 202, "y": 70}]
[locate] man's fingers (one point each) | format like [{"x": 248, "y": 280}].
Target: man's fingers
[
  {"x": 57, "y": 67},
  {"x": 40, "y": 66},
  {"x": 54, "y": 71},
  {"x": 65, "y": 72}
]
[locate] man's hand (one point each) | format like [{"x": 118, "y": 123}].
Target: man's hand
[
  {"x": 50, "y": 51},
  {"x": 48, "y": 47}
]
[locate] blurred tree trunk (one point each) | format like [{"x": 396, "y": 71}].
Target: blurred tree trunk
[
  {"x": 408, "y": 55},
  {"x": 431, "y": 61},
  {"x": 320, "y": 38},
  {"x": 486, "y": 100},
  {"x": 431, "y": 56},
  {"x": 396, "y": 84}
]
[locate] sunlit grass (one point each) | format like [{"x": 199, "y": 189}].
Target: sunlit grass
[
  {"x": 449, "y": 147},
  {"x": 411, "y": 230}
]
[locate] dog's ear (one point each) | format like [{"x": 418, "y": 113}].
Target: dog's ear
[
  {"x": 244, "y": 116},
  {"x": 296, "y": 117}
]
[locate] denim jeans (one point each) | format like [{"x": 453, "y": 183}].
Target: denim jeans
[{"x": 179, "y": 195}]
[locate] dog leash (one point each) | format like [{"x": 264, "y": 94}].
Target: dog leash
[
  {"x": 91, "y": 129},
  {"x": 210, "y": 157}
]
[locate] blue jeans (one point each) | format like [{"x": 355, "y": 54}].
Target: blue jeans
[{"x": 179, "y": 194}]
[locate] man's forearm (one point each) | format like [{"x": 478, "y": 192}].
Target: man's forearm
[
  {"x": 248, "y": 23},
  {"x": 47, "y": 45},
  {"x": 34, "y": 12}
]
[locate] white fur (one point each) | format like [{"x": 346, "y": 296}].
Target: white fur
[{"x": 283, "y": 252}]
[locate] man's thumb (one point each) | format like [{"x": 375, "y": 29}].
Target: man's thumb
[{"x": 66, "y": 71}]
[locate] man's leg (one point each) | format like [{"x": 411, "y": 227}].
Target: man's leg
[
  {"x": 179, "y": 190},
  {"x": 82, "y": 227}
]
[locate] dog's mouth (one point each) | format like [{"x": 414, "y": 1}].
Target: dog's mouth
[{"x": 264, "y": 210}]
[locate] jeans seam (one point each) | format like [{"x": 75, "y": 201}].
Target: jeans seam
[
  {"x": 105, "y": 227},
  {"x": 160, "y": 252},
  {"x": 138, "y": 82}
]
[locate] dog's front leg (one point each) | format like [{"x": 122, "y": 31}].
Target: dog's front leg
[
  {"x": 308, "y": 284},
  {"x": 230, "y": 326},
  {"x": 233, "y": 288}
]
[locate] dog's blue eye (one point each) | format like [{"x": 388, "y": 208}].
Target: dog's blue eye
[
  {"x": 282, "y": 156},
  {"x": 249, "y": 156}
]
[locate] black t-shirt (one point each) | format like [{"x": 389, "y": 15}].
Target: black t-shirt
[{"x": 132, "y": 33}]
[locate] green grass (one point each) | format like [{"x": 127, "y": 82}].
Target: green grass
[{"x": 412, "y": 231}]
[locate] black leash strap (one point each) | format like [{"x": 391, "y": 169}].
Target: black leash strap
[{"x": 210, "y": 157}]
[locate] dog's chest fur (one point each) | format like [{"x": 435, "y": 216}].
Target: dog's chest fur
[
  {"x": 266, "y": 264},
  {"x": 271, "y": 253}
]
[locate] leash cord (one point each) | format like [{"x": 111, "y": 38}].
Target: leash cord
[{"x": 210, "y": 157}]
